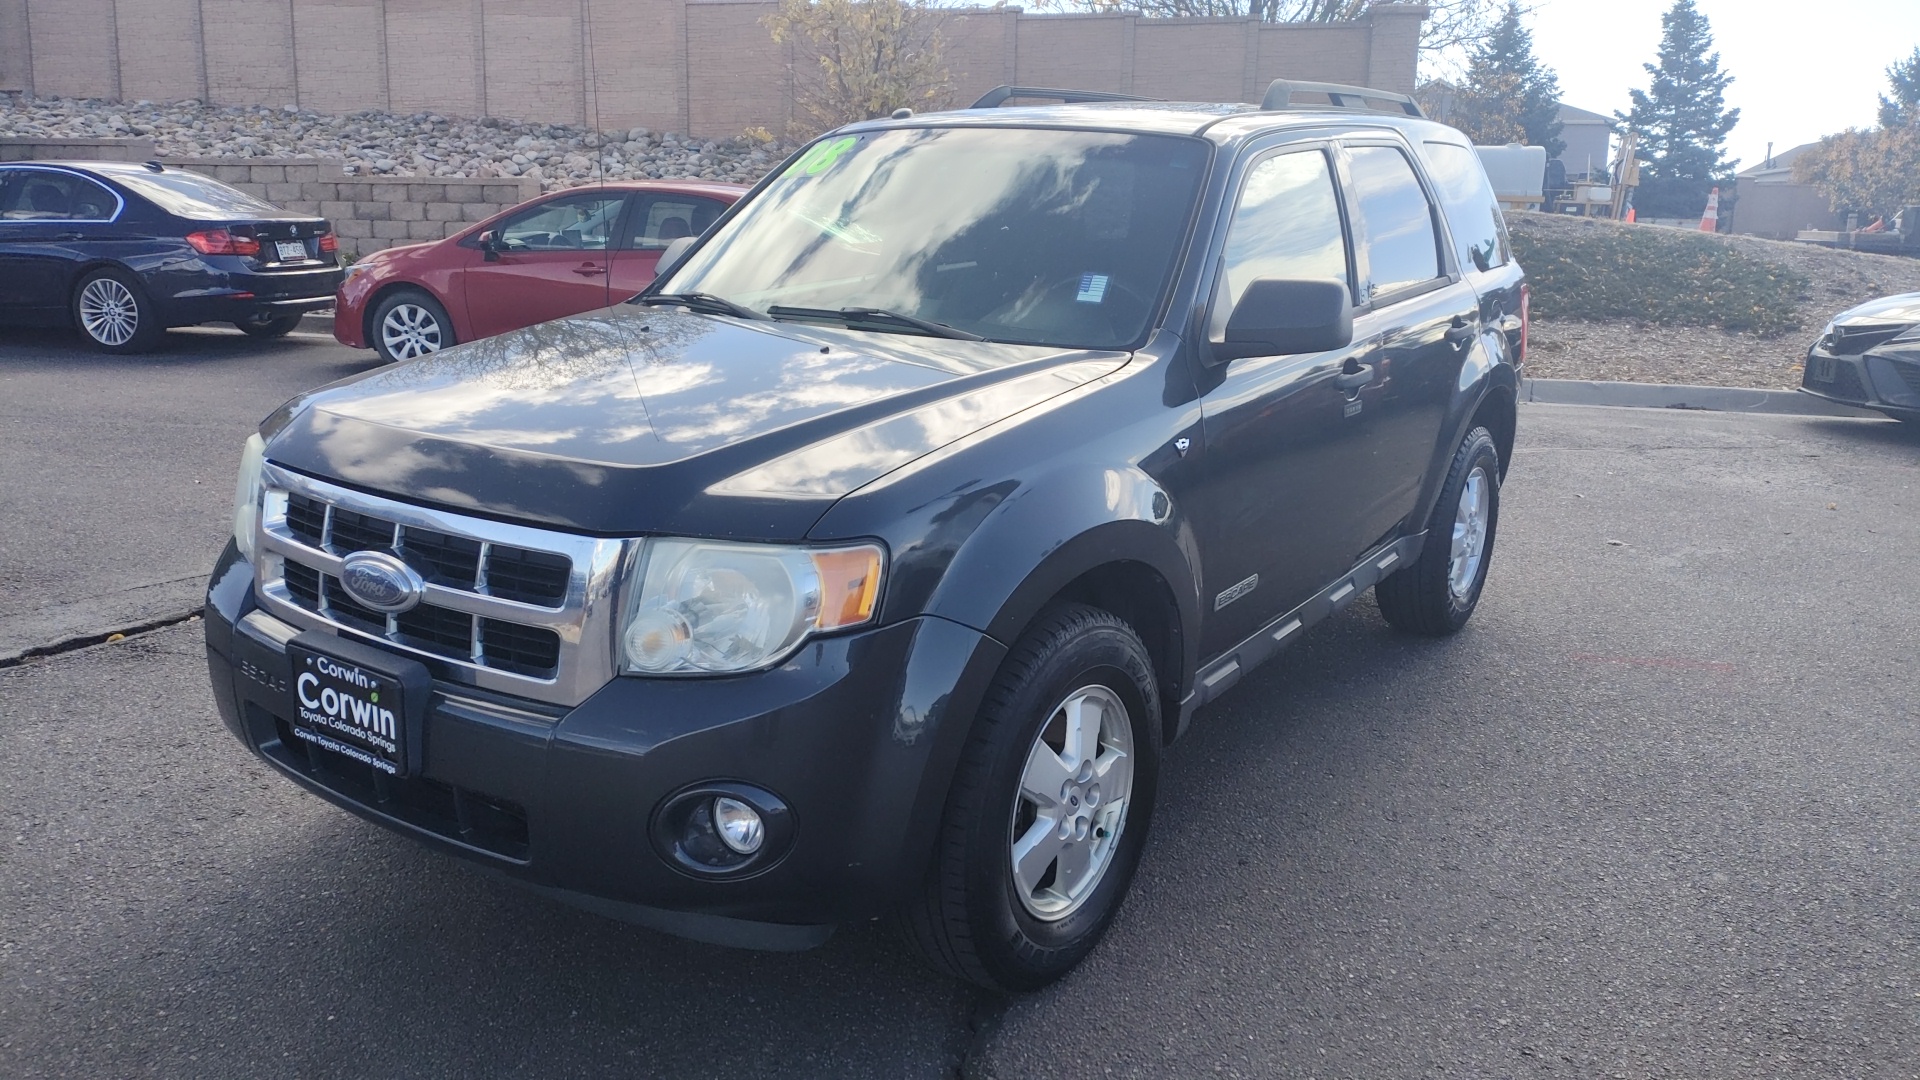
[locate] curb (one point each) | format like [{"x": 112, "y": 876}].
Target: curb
[
  {"x": 1631, "y": 395},
  {"x": 317, "y": 322}
]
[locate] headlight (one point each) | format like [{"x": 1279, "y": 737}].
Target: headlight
[
  {"x": 698, "y": 607},
  {"x": 247, "y": 492}
]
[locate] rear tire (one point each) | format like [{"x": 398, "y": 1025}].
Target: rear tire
[
  {"x": 1049, "y": 808},
  {"x": 1436, "y": 595},
  {"x": 409, "y": 324},
  {"x": 269, "y": 328},
  {"x": 114, "y": 314}
]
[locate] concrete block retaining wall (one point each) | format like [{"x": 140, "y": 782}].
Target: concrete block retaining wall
[
  {"x": 705, "y": 67},
  {"x": 368, "y": 212}
]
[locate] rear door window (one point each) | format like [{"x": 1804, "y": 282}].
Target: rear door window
[
  {"x": 1287, "y": 225},
  {"x": 49, "y": 195},
  {"x": 659, "y": 220},
  {"x": 1403, "y": 250},
  {"x": 1473, "y": 214}
]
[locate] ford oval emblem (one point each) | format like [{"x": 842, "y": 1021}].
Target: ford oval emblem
[{"x": 381, "y": 581}]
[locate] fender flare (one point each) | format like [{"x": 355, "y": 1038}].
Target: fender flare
[
  {"x": 1485, "y": 373},
  {"x": 1057, "y": 529}
]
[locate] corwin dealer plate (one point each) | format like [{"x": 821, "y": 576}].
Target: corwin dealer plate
[{"x": 358, "y": 702}]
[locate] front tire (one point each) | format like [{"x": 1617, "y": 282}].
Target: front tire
[
  {"x": 1436, "y": 595},
  {"x": 114, "y": 314},
  {"x": 410, "y": 324},
  {"x": 1049, "y": 808}
]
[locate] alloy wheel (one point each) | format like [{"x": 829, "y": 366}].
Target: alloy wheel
[
  {"x": 108, "y": 312},
  {"x": 1072, "y": 803},
  {"x": 1470, "y": 533}
]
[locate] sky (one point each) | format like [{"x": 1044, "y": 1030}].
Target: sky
[{"x": 1800, "y": 70}]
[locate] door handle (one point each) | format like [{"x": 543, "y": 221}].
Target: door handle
[
  {"x": 71, "y": 236},
  {"x": 1355, "y": 378},
  {"x": 589, "y": 270},
  {"x": 1461, "y": 332}
]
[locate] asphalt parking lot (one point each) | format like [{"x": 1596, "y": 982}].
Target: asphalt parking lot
[{"x": 1653, "y": 814}]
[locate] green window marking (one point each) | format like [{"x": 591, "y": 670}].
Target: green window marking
[{"x": 821, "y": 157}]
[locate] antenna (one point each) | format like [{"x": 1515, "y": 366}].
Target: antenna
[{"x": 593, "y": 97}]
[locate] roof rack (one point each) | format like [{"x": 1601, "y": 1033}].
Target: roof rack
[
  {"x": 993, "y": 98},
  {"x": 1280, "y": 96}
]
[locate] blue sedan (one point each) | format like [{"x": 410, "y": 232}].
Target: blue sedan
[{"x": 123, "y": 251}]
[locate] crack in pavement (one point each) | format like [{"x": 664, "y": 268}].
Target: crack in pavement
[{"x": 100, "y": 637}]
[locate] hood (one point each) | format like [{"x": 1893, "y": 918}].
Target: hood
[
  {"x": 1886, "y": 311},
  {"x": 656, "y": 420}
]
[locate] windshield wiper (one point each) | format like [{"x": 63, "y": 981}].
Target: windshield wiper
[
  {"x": 852, "y": 315},
  {"x": 706, "y": 303}
]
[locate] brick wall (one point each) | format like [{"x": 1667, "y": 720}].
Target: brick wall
[
  {"x": 707, "y": 67},
  {"x": 368, "y": 213}
]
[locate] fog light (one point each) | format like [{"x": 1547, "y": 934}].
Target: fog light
[{"x": 738, "y": 824}]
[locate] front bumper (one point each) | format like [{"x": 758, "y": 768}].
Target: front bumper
[
  {"x": 858, "y": 735},
  {"x": 1870, "y": 380}
]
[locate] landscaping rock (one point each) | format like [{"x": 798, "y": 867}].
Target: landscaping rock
[{"x": 392, "y": 144}]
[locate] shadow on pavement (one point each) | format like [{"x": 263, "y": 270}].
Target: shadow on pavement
[
  {"x": 176, "y": 909},
  {"x": 198, "y": 348}
]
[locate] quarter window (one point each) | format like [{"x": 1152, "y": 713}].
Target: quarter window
[
  {"x": 1286, "y": 226},
  {"x": 44, "y": 195},
  {"x": 569, "y": 223},
  {"x": 1402, "y": 248},
  {"x": 1479, "y": 232}
]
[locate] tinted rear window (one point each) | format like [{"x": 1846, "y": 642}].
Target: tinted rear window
[
  {"x": 1479, "y": 232},
  {"x": 191, "y": 195}
]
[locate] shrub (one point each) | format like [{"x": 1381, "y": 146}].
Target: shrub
[{"x": 1654, "y": 276}]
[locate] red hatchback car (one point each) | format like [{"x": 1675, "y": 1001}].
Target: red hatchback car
[{"x": 554, "y": 256}]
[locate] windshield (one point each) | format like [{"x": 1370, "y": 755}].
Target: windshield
[
  {"x": 189, "y": 195},
  {"x": 1045, "y": 237}
]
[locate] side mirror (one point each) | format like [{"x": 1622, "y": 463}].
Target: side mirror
[
  {"x": 1277, "y": 316},
  {"x": 490, "y": 246},
  {"x": 672, "y": 255}
]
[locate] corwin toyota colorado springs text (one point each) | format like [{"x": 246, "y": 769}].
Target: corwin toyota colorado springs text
[{"x": 869, "y": 561}]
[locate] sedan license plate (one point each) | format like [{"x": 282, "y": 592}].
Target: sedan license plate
[
  {"x": 351, "y": 709},
  {"x": 291, "y": 250},
  {"x": 1821, "y": 368}
]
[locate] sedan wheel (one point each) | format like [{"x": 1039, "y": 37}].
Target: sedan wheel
[
  {"x": 410, "y": 330},
  {"x": 112, "y": 313},
  {"x": 108, "y": 312}
]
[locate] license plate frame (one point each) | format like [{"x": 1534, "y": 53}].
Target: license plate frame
[
  {"x": 358, "y": 701},
  {"x": 290, "y": 250}
]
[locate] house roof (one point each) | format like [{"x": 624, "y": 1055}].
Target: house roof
[
  {"x": 1571, "y": 115},
  {"x": 1782, "y": 162}
]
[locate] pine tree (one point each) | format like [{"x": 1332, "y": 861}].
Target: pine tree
[
  {"x": 1508, "y": 95},
  {"x": 1903, "y": 108},
  {"x": 1682, "y": 119}
]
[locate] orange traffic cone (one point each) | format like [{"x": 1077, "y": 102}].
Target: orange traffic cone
[{"x": 1710, "y": 221}]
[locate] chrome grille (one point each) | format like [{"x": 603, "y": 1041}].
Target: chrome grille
[
  {"x": 1858, "y": 338},
  {"x": 507, "y": 607}
]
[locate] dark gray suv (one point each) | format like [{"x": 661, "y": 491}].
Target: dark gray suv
[{"x": 869, "y": 561}]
